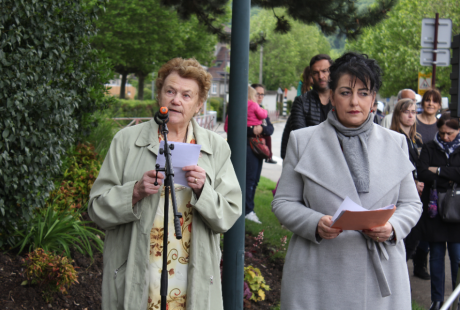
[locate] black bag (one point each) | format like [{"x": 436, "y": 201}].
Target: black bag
[{"x": 449, "y": 205}]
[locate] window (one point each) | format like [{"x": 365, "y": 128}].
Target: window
[{"x": 214, "y": 88}]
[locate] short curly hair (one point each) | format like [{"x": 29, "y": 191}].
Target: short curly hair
[
  {"x": 186, "y": 68},
  {"x": 358, "y": 66}
]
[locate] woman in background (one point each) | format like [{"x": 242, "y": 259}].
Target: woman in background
[{"x": 440, "y": 165}]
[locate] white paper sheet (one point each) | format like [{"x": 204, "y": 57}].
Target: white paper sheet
[
  {"x": 347, "y": 204},
  {"x": 184, "y": 154}
]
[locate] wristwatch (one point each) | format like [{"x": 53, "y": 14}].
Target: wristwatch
[
  {"x": 439, "y": 170},
  {"x": 392, "y": 236}
]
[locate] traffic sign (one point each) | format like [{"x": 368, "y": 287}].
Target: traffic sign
[
  {"x": 442, "y": 58},
  {"x": 444, "y": 33},
  {"x": 424, "y": 82}
]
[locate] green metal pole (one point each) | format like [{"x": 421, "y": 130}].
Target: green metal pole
[{"x": 233, "y": 272}]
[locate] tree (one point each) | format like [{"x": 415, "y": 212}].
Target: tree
[
  {"x": 395, "y": 44},
  {"x": 332, "y": 16},
  {"x": 295, "y": 49},
  {"x": 51, "y": 81},
  {"x": 141, "y": 35}
]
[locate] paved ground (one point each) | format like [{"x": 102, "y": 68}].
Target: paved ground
[{"x": 420, "y": 288}]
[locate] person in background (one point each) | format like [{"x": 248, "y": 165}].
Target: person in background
[
  {"x": 440, "y": 164},
  {"x": 426, "y": 121},
  {"x": 126, "y": 202},
  {"x": 402, "y": 94},
  {"x": 305, "y": 82},
  {"x": 346, "y": 156},
  {"x": 310, "y": 108},
  {"x": 255, "y": 112},
  {"x": 378, "y": 114},
  {"x": 260, "y": 95},
  {"x": 403, "y": 121},
  {"x": 427, "y": 128}
]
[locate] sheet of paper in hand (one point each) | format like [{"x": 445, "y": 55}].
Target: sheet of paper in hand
[
  {"x": 184, "y": 154},
  {"x": 351, "y": 216}
]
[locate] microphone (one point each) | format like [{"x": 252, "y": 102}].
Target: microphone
[{"x": 162, "y": 116}]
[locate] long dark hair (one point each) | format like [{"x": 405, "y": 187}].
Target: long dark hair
[{"x": 306, "y": 85}]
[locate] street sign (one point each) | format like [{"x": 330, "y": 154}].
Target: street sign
[
  {"x": 442, "y": 58},
  {"x": 424, "y": 82},
  {"x": 444, "y": 33}
]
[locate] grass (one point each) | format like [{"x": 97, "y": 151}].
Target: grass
[
  {"x": 416, "y": 306},
  {"x": 273, "y": 232}
]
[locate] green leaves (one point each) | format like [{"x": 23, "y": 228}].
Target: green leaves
[
  {"x": 395, "y": 44},
  {"x": 51, "y": 79}
]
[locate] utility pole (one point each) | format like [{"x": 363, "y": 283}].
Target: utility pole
[
  {"x": 436, "y": 25},
  {"x": 233, "y": 268},
  {"x": 261, "y": 63}
]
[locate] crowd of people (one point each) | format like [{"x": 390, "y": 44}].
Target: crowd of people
[{"x": 336, "y": 144}]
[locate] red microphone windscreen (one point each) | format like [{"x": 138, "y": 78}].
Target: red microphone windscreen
[{"x": 163, "y": 110}]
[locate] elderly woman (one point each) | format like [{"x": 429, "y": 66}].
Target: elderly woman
[
  {"x": 440, "y": 165},
  {"x": 125, "y": 201},
  {"x": 347, "y": 155}
]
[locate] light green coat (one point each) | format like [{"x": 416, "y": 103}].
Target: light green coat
[{"x": 126, "y": 249}]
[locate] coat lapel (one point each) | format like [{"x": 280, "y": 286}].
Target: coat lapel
[
  {"x": 389, "y": 164},
  {"x": 322, "y": 161}
]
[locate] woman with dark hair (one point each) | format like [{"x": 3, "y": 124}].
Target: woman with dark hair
[
  {"x": 346, "y": 156},
  {"x": 426, "y": 121},
  {"x": 439, "y": 168}
]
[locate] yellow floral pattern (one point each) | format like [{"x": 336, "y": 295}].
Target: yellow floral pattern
[{"x": 178, "y": 250}]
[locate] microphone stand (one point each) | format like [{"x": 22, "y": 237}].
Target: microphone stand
[{"x": 169, "y": 186}]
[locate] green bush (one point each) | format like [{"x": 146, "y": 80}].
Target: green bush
[
  {"x": 52, "y": 273},
  {"x": 132, "y": 108},
  {"x": 216, "y": 104},
  {"x": 51, "y": 81},
  {"x": 102, "y": 133}
]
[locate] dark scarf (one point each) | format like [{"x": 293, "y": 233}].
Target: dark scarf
[
  {"x": 447, "y": 147},
  {"x": 354, "y": 146}
]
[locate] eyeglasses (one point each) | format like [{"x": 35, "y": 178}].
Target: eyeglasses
[
  {"x": 260, "y": 95},
  {"x": 407, "y": 112}
]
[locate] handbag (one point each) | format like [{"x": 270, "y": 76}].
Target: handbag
[
  {"x": 259, "y": 147},
  {"x": 449, "y": 205}
]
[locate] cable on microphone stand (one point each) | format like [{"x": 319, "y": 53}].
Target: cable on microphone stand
[{"x": 161, "y": 118}]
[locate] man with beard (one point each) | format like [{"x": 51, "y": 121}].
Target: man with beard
[{"x": 312, "y": 107}]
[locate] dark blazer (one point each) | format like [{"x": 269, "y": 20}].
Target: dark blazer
[
  {"x": 305, "y": 112},
  {"x": 413, "y": 156},
  {"x": 435, "y": 229}
]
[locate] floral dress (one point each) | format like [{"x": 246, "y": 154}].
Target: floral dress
[{"x": 178, "y": 250}]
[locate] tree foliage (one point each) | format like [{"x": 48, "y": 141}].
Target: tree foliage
[
  {"x": 332, "y": 16},
  {"x": 295, "y": 49},
  {"x": 395, "y": 43},
  {"x": 141, "y": 35},
  {"x": 51, "y": 81}
]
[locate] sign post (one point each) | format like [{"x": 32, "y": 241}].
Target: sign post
[{"x": 436, "y": 38}]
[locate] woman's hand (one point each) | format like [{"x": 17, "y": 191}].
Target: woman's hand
[
  {"x": 324, "y": 229},
  {"x": 420, "y": 186},
  {"x": 146, "y": 187},
  {"x": 258, "y": 130},
  {"x": 379, "y": 234},
  {"x": 433, "y": 169},
  {"x": 196, "y": 177}
]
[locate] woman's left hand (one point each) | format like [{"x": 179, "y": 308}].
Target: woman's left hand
[
  {"x": 433, "y": 169},
  {"x": 196, "y": 177},
  {"x": 379, "y": 234}
]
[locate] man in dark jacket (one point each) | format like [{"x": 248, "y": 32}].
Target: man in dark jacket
[{"x": 312, "y": 107}]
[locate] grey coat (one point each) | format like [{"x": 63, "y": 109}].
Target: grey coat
[{"x": 350, "y": 271}]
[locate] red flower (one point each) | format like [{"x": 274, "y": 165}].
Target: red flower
[
  {"x": 171, "y": 271},
  {"x": 181, "y": 221}
]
